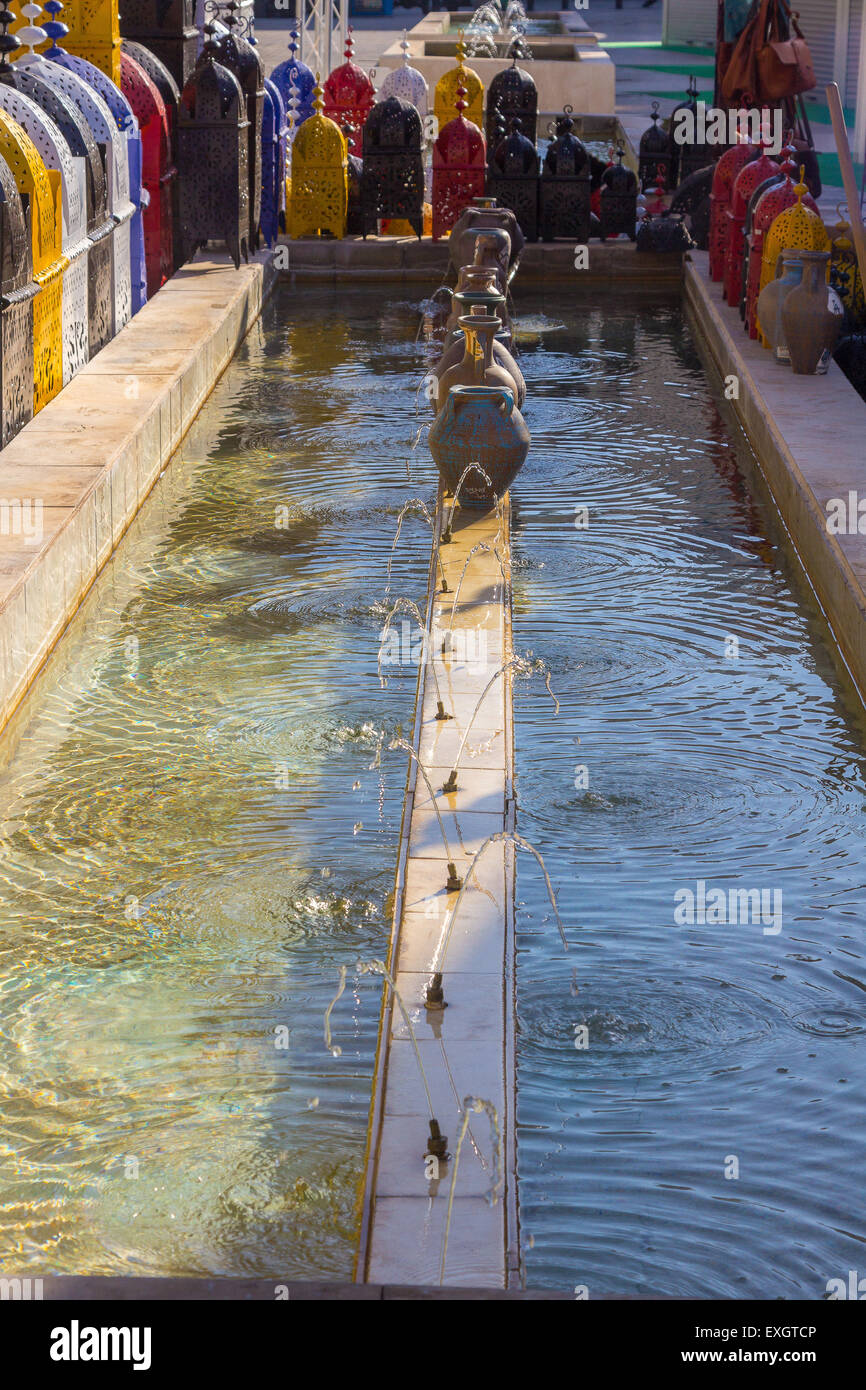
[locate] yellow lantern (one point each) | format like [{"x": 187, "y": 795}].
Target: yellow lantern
[
  {"x": 92, "y": 31},
  {"x": 43, "y": 188},
  {"x": 445, "y": 96},
  {"x": 798, "y": 228},
  {"x": 319, "y": 178}
]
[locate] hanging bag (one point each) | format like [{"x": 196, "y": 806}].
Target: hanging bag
[{"x": 784, "y": 65}]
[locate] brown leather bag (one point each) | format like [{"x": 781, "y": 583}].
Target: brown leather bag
[{"x": 785, "y": 67}]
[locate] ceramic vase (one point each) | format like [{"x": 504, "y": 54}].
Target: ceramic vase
[
  {"x": 474, "y": 219},
  {"x": 482, "y": 425},
  {"x": 812, "y": 317},
  {"x": 455, "y": 350},
  {"x": 477, "y": 366},
  {"x": 789, "y": 272},
  {"x": 476, "y": 284}
]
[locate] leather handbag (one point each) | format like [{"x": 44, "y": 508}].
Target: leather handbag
[{"x": 784, "y": 65}]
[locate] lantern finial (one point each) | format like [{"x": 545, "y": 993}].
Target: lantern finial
[
  {"x": 350, "y": 45},
  {"x": 406, "y": 49},
  {"x": 460, "y": 100},
  {"x": 31, "y": 34},
  {"x": 8, "y": 42},
  {"x": 318, "y": 104}
]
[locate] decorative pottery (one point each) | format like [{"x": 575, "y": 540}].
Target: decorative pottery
[
  {"x": 798, "y": 228},
  {"x": 477, "y": 366},
  {"x": 454, "y": 354},
  {"x": 812, "y": 316},
  {"x": 473, "y": 219},
  {"x": 479, "y": 285},
  {"x": 789, "y": 273},
  {"x": 479, "y": 424}
]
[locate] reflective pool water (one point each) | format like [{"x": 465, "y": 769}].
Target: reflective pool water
[
  {"x": 690, "y": 1094},
  {"x": 193, "y": 840}
]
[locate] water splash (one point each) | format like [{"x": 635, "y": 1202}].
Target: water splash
[
  {"x": 474, "y": 1105},
  {"x": 407, "y": 605},
  {"x": 454, "y": 882},
  {"x": 470, "y": 468},
  {"x": 524, "y": 666}
]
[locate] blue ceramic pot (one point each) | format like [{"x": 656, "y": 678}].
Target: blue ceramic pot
[{"x": 479, "y": 424}]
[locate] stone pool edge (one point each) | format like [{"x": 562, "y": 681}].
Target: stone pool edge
[
  {"x": 87, "y": 462},
  {"x": 808, "y": 437}
]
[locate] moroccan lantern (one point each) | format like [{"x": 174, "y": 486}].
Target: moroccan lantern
[
  {"x": 122, "y": 114},
  {"x": 654, "y": 159},
  {"x": 349, "y": 94},
  {"x": 18, "y": 291},
  {"x": 458, "y": 169},
  {"x": 798, "y": 228},
  {"x": 168, "y": 89},
  {"x": 512, "y": 95},
  {"x": 157, "y": 171},
  {"x": 392, "y": 177},
  {"x": 319, "y": 191},
  {"x": 726, "y": 171},
  {"x": 112, "y": 157},
  {"x": 677, "y": 150},
  {"x": 445, "y": 94},
  {"x": 240, "y": 57},
  {"x": 56, "y": 155},
  {"x": 274, "y": 135},
  {"x": 513, "y": 178},
  {"x": 354, "y": 169},
  {"x": 618, "y": 202},
  {"x": 407, "y": 82},
  {"x": 750, "y": 176},
  {"x": 845, "y": 276},
  {"x": 294, "y": 74},
  {"x": 213, "y": 149},
  {"x": 167, "y": 29},
  {"x": 565, "y": 187},
  {"x": 43, "y": 189}
]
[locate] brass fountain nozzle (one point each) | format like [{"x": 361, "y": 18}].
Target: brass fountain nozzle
[
  {"x": 440, "y": 711},
  {"x": 455, "y": 882},
  {"x": 437, "y": 1144},
  {"x": 451, "y": 784},
  {"x": 434, "y": 995},
  {"x": 446, "y": 537}
]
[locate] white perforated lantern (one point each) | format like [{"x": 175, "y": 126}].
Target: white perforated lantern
[{"x": 406, "y": 82}]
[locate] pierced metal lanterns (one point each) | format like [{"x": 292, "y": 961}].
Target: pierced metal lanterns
[
  {"x": 273, "y": 162},
  {"x": 565, "y": 189},
  {"x": 167, "y": 28},
  {"x": 447, "y": 90},
  {"x": 407, "y": 82},
  {"x": 170, "y": 93},
  {"x": 459, "y": 158},
  {"x": 618, "y": 200},
  {"x": 512, "y": 95},
  {"x": 319, "y": 191},
  {"x": 213, "y": 149},
  {"x": 158, "y": 171},
  {"x": 392, "y": 177},
  {"x": 513, "y": 178},
  {"x": 17, "y": 293},
  {"x": 294, "y": 74},
  {"x": 726, "y": 171},
  {"x": 654, "y": 160},
  {"x": 349, "y": 94}
]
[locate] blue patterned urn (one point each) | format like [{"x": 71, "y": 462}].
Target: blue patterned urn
[{"x": 481, "y": 425}]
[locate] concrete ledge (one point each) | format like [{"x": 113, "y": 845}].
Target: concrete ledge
[
  {"x": 140, "y": 1289},
  {"x": 808, "y": 434},
  {"x": 406, "y": 260},
  {"x": 74, "y": 478}
]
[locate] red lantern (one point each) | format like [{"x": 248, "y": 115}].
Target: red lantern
[
  {"x": 727, "y": 169},
  {"x": 745, "y": 184},
  {"x": 349, "y": 94},
  {"x": 158, "y": 171},
  {"x": 459, "y": 165}
]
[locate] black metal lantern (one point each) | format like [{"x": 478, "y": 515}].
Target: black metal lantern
[
  {"x": 168, "y": 89},
  {"x": 392, "y": 177},
  {"x": 100, "y": 224},
  {"x": 168, "y": 30},
  {"x": 692, "y": 199},
  {"x": 513, "y": 179},
  {"x": 17, "y": 292},
  {"x": 565, "y": 189},
  {"x": 213, "y": 148},
  {"x": 354, "y": 166},
  {"x": 238, "y": 54},
  {"x": 690, "y": 105},
  {"x": 512, "y": 95},
  {"x": 618, "y": 200},
  {"x": 654, "y": 163}
]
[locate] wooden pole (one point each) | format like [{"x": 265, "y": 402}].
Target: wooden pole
[{"x": 846, "y": 163}]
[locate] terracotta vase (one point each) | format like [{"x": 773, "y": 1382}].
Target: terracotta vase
[
  {"x": 474, "y": 219},
  {"x": 479, "y": 424},
  {"x": 477, "y": 366},
  {"x": 480, "y": 245},
  {"x": 455, "y": 352},
  {"x": 476, "y": 284},
  {"x": 789, "y": 272},
  {"x": 812, "y": 317}
]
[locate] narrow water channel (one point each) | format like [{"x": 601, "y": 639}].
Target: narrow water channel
[
  {"x": 690, "y": 1094},
  {"x": 193, "y": 839}
]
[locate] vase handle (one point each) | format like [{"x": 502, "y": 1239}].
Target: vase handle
[
  {"x": 778, "y": 266},
  {"x": 506, "y": 402}
]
